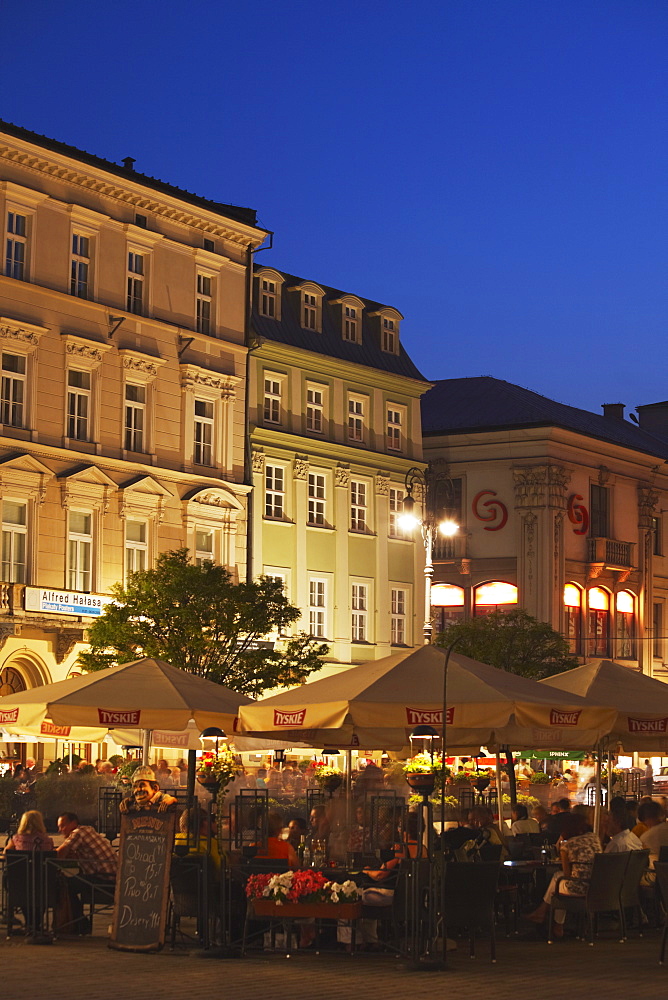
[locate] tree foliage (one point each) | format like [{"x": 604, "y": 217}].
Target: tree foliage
[
  {"x": 198, "y": 619},
  {"x": 513, "y": 641}
]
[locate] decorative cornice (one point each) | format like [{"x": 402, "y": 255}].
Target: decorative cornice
[
  {"x": 66, "y": 640},
  {"x": 25, "y": 335},
  {"x": 138, "y": 364},
  {"x": 194, "y": 378},
  {"x": 541, "y": 485},
  {"x": 244, "y": 236},
  {"x": 647, "y": 501},
  {"x": 91, "y": 352}
]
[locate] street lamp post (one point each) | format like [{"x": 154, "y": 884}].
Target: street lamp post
[{"x": 437, "y": 518}]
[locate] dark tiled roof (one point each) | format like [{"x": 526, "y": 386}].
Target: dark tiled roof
[
  {"x": 456, "y": 405},
  {"x": 245, "y": 215},
  {"x": 288, "y": 330}
]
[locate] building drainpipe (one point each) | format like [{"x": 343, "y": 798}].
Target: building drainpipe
[{"x": 248, "y": 458}]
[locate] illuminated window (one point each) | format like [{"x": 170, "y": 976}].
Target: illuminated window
[
  {"x": 136, "y": 547},
  {"x": 315, "y": 410},
  {"x": 13, "y": 394},
  {"x": 317, "y": 590},
  {"x": 494, "y": 596},
  {"x": 14, "y": 539},
  {"x": 396, "y": 510},
  {"x": 358, "y": 506},
  {"x": 398, "y": 626},
  {"x": 625, "y": 646},
  {"x": 80, "y": 265},
  {"x": 136, "y": 274},
  {"x": 79, "y": 550},
  {"x": 16, "y": 246},
  {"x": 135, "y": 416},
  {"x": 205, "y": 546},
  {"x": 573, "y": 617},
  {"x": 203, "y": 303},
  {"x": 598, "y": 622},
  {"x": 394, "y": 426},
  {"x": 272, "y": 401},
  {"x": 203, "y": 432},
  {"x": 316, "y": 499},
  {"x": 79, "y": 386},
  {"x": 274, "y": 494},
  {"x": 355, "y": 418},
  {"x": 360, "y": 609},
  {"x": 447, "y": 603}
]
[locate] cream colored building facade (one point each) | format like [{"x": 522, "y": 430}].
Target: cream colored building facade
[
  {"x": 562, "y": 513},
  {"x": 334, "y": 404},
  {"x": 123, "y": 343}
]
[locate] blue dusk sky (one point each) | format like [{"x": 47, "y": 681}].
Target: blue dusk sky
[{"x": 495, "y": 169}]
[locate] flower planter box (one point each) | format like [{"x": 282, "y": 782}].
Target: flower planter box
[{"x": 317, "y": 911}]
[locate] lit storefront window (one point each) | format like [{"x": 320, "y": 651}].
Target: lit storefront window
[
  {"x": 573, "y": 618},
  {"x": 447, "y": 602},
  {"x": 494, "y": 596},
  {"x": 625, "y": 646},
  {"x": 598, "y": 602}
]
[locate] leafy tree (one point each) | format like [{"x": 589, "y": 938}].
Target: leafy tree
[
  {"x": 198, "y": 619},
  {"x": 513, "y": 641}
]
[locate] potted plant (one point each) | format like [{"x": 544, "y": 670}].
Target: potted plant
[
  {"x": 329, "y": 778},
  {"x": 303, "y": 894},
  {"x": 218, "y": 769},
  {"x": 419, "y": 773}
]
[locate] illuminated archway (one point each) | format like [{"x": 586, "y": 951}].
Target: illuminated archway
[{"x": 496, "y": 595}]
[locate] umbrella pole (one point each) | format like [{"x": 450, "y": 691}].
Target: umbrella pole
[
  {"x": 609, "y": 778},
  {"x": 146, "y": 745},
  {"x": 499, "y": 789},
  {"x": 597, "y": 803}
]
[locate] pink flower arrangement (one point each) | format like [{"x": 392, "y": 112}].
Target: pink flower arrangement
[{"x": 306, "y": 886}]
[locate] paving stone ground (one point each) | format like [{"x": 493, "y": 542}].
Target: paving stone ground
[{"x": 86, "y": 968}]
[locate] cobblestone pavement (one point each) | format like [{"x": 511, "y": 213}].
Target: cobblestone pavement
[{"x": 569, "y": 970}]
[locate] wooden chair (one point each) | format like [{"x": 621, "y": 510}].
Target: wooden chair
[
  {"x": 469, "y": 897},
  {"x": 603, "y": 894},
  {"x": 630, "y": 891}
]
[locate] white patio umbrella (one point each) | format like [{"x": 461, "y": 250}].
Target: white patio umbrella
[
  {"x": 379, "y": 703},
  {"x": 146, "y": 694}
]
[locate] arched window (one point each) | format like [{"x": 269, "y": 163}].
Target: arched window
[
  {"x": 494, "y": 596},
  {"x": 573, "y": 617},
  {"x": 11, "y": 681},
  {"x": 447, "y": 602},
  {"x": 625, "y": 607},
  {"x": 598, "y": 621}
]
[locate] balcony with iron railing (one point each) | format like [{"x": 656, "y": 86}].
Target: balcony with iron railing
[
  {"x": 611, "y": 553},
  {"x": 448, "y": 549}
]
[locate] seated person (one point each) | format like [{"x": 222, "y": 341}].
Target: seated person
[
  {"x": 198, "y": 835},
  {"x": 577, "y": 849},
  {"x": 297, "y": 828},
  {"x": 656, "y": 833},
  {"x": 31, "y": 834},
  {"x": 621, "y": 838},
  {"x": 485, "y": 830},
  {"x": 277, "y": 848},
  {"x": 98, "y": 864},
  {"x": 521, "y": 822}
]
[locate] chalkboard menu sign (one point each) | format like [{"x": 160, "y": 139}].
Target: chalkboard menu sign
[{"x": 142, "y": 884}]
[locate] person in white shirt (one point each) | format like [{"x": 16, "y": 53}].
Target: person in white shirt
[
  {"x": 622, "y": 839},
  {"x": 649, "y": 777},
  {"x": 521, "y": 822},
  {"x": 656, "y": 835}
]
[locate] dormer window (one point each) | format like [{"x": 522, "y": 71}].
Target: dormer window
[
  {"x": 350, "y": 323},
  {"x": 309, "y": 311},
  {"x": 389, "y": 335},
  {"x": 268, "y": 293},
  {"x": 268, "y": 298}
]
